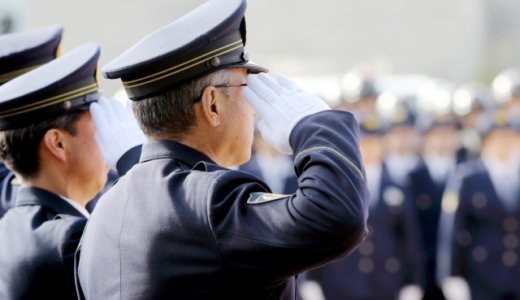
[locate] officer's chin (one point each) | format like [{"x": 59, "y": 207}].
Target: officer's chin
[{"x": 239, "y": 160}]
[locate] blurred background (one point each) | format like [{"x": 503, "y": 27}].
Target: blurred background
[{"x": 458, "y": 40}]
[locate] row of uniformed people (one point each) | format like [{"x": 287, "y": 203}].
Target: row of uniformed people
[
  {"x": 479, "y": 238},
  {"x": 56, "y": 139},
  {"x": 178, "y": 223},
  {"x": 423, "y": 156},
  {"x": 21, "y": 53},
  {"x": 483, "y": 140},
  {"x": 77, "y": 88}
]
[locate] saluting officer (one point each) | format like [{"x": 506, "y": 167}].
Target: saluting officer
[
  {"x": 180, "y": 224},
  {"x": 48, "y": 139},
  {"x": 19, "y": 53}
]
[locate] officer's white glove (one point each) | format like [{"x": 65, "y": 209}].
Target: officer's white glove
[
  {"x": 410, "y": 292},
  {"x": 116, "y": 129},
  {"x": 456, "y": 288},
  {"x": 311, "y": 290},
  {"x": 280, "y": 104}
]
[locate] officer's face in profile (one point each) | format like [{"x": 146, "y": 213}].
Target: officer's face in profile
[
  {"x": 238, "y": 119},
  {"x": 86, "y": 164}
]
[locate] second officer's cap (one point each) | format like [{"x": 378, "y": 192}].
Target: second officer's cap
[
  {"x": 209, "y": 38},
  {"x": 21, "y": 52},
  {"x": 66, "y": 83}
]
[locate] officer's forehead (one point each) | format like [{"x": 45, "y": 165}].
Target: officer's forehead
[
  {"x": 240, "y": 72},
  {"x": 236, "y": 72}
]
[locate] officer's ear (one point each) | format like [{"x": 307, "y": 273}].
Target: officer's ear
[
  {"x": 54, "y": 142},
  {"x": 209, "y": 106}
]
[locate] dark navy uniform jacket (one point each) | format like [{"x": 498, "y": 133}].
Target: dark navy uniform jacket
[
  {"x": 486, "y": 239},
  {"x": 428, "y": 198},
  {"x": 38, "y": 240},
  {"x": 387, "y": 260},
  {"x": 178, "y": 226}
]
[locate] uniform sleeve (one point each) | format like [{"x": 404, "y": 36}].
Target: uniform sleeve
[{"x": 275, "y": 236}]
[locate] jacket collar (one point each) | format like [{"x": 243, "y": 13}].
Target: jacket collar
[
  {"x": 171, "y": 149},
  {"x": 29, "y": 195}
]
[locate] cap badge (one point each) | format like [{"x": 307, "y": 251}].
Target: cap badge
[{"x": 214, "y": 61}]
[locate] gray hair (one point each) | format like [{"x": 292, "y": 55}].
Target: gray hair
[{"x": 171, "y": 113}]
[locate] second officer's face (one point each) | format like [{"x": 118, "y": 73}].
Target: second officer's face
[
  {"x": 87, "y": 165},
  {"x": 240, "y": 116}
]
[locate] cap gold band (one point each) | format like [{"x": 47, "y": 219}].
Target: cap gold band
[
  {"x": 92, "y": 88},
  {"x": 184, "y": 66}
]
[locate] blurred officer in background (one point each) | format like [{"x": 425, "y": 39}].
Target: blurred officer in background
[
  {"x": 387, "y": 265},
  {"x": 485, "y": 234},
  {"x": 506, "y": 89},
  {"x": 180, "y": 224},
  {"x": 427, "y": 183},
  {"x": 401, "y": 141},
  {"x": 274, "y": 168},
  {"x": 20, "y": 53},
  {"x": 48, "y": 139},
  {"x": 471, "y": 103},
  {"x": 359, "y": 93}
]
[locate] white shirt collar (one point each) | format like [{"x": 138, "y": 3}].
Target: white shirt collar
[
  {"x": 504, "y": 176},
  {"x": 78, "y": 207},
  {"x": 399, "y": 166},
  {"x": 440, "y": 166},
  {"x": 373, "y": 172}
]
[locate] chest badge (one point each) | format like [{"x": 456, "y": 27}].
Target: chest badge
[{"x": 393, "y": 196}]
